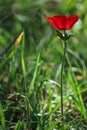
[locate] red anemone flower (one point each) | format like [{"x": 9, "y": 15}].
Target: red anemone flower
[{"x": 63, "y": 22}]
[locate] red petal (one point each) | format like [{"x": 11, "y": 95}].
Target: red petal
[
  {"x": 60, "y": 21},
  {"x": 71, "y": 20},
  {"x": 63, "y": 22},
  {"x": 51, "y": 20}
]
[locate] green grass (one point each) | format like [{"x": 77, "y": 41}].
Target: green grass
[{"x": 30, "y": 73}]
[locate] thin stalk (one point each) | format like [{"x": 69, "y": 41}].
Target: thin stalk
[{"x": 62, "y": 69}]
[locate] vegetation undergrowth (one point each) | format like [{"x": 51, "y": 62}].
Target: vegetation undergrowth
[{"x": 30, "y": 67}]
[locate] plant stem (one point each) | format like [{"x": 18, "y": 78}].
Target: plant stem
[{"x": 62, "y": 68}]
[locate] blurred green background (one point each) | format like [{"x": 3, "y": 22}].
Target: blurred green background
[{"x": 30, "y": 16}]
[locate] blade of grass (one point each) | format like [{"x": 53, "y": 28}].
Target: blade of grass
[
  {"x": 77, "y": 93},
  {"x": 23, "y": 62},
  {"x": 6, "y": 59},
  {"x": 34, "y": 75},
  {"x": 2, "y": 118}
]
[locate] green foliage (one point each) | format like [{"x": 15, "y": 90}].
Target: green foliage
[
  {"x": 30, "y": 71},
  {"x": 2, "y": 118}
]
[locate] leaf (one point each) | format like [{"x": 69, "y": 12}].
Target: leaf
[{"x": 18, "y": 40}]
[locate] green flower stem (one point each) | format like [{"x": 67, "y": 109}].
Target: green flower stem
[{"x": 62, "y": 69}]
